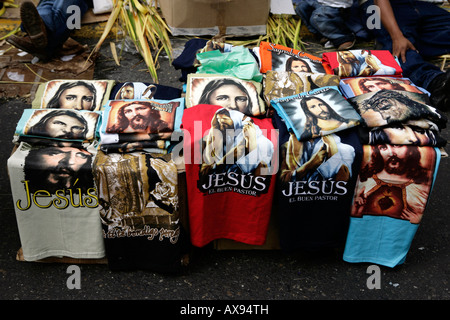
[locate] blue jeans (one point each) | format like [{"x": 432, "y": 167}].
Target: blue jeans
[
  {"x": 54, "y": 14},
  {"x": 427, "y": 26},
  {"x": 325, "y": 21}
]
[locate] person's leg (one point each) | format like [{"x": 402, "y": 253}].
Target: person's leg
[
  {"x": 329, "y": 22},
  {"x": 304, "y": 10},
  {"x": 55, "y": 14},
  {"x": 355, "y": 22},
  {"x": 416, "y": 68},
  {"x": 431, "y": 40},
  {"x": 433, "y": 37}
]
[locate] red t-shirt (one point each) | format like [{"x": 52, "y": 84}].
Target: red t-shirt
[
  {"x": 231, "y": 200},
  {"x": 361, "y": 63}
]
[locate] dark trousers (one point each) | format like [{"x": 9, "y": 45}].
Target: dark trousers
[
  {"x": 326, "y": 21},
  {"x": 55, "y": 15},
  {"x": 427, "y": 26}
]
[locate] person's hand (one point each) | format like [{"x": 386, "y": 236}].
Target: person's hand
[
  {"x": 372, "y": 63},
  {"x": 360, "y": 201},
  {"x": 318, "y": 158},
  {"x": 249, "y": 133},
  {"x": 412, "y": 217},
  {"x": 400, "y": 46},
  {"x": 206, "y": 168}
]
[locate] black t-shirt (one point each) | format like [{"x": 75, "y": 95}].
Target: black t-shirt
[
  {"x": 314, "y": 208},
  {"x": 140, "y": 212}
]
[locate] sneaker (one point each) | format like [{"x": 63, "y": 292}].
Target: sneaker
[
  {"x": 328, "y": 45},
  {"x": 25, "y": 44},
  {"x": 33, "y": 24},
  {"x": 439, "y": 90},
  {"x": 346, "y": 45}
]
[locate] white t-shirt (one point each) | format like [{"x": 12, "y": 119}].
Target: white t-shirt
[
  {"x": 336, "y": 3},
  {"x": 49, "y": 226}
]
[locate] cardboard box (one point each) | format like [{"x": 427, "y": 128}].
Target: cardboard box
[{"x": 214, "y": 17}]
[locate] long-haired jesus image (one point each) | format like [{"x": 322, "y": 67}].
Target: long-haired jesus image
[
  {"x": 72, "y": 94},
  {"x": 235, "y": 143},
  {"x": 225, "y": 91},
  {"x": 140, "y": 116},
  {"x": 64, "y": 124},
  {"x": 317, "y": 113},
  {"x": 59, "y": 167},
  {"x": 321, "y": 119}
]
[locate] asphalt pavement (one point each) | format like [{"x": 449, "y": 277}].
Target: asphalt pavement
[{"x": 258, "y": 277}]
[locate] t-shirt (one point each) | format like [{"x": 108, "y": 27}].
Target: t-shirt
[
  {"x": 230, "y": 174},
  {"x": 161, "y": 120},
  {"x": 315, "y": 194},
  {"x": 185, "y": 61},
  {"x": 94, "y": 93},
  {"x": 279, "y": 84},
  {"x": 238, "y": 62},
  {"x": 280, "y": 58},
  {"x": 160, "y": 116},
  {"x": 304, "y": 113},
  {"x": 143, "y": 90},
  {"x": 140, "y": 213},
  {"x": 401, "y": 134},
  {"x": 386, "y": 107},
  {"x": 228, "y": 91},
  {"x": 57, "y": 215},
  {"x": 336, "y": 3},
  {"x": 152, "y": 146},
  {"x": 59, "y": 124},
  {"x": 354, "y": 63},
  {"x": 356, "y": 86},
  {"x": 387, "y": 208}
]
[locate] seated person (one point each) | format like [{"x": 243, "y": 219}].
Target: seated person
[{"x": 416, "y": 31}]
